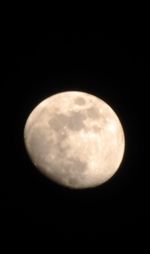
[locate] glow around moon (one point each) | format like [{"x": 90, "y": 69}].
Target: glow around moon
[{"x": 75, "y": 139}]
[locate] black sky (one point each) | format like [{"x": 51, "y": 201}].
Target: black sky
[{"x": 112, "y": 66}]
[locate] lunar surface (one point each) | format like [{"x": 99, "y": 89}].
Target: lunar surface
[{"x": 75, "y": 139}]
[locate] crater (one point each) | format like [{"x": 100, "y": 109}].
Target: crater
[{"x": 79, "y": 101}]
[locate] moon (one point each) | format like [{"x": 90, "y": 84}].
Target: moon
[{"x": 75, "y": 139}]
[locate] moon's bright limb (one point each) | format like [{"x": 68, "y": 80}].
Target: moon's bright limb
[{"x": 75, "y": 139}]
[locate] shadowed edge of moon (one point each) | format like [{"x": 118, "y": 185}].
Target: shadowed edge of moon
[{"x": 65, "y": 170}]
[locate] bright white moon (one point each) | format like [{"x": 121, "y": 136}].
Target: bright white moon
[{"x": 75, "y": 139}]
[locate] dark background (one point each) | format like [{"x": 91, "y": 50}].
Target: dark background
[{"x": 112, "y": 66}]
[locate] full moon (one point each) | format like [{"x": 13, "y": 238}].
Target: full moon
[{"x": 75, "y": 139}]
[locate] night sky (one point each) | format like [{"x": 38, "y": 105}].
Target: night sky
[{"x": 111, "y": 66}]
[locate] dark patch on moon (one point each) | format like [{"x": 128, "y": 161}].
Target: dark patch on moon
[
  {"x": 79, "y": 101},
  {"x": 96, "y": 128},
  {"x": 77, "y": 166},
  {"x": 73, "y": 181},
  {"x": 69, "y": 171},
  {"x": 93, "y": 112},
  {"x": 57, "y": 122},
  {"x": 73, "y": 122},
  {"x": 75, "y": 171}
]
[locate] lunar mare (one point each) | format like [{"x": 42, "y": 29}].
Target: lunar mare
[{"x": 75, "y": 139}]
